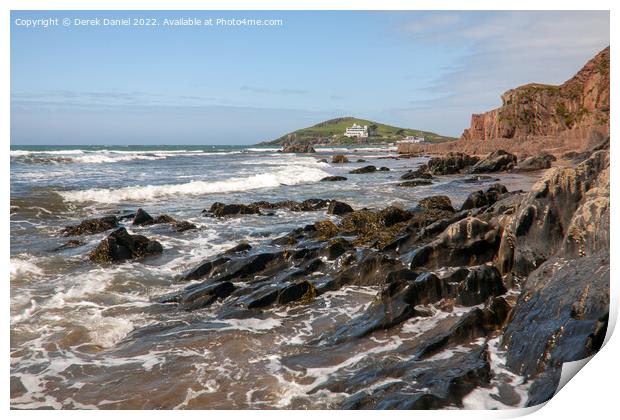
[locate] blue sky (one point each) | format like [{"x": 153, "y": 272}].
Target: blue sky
[{"x": 235, "y": 85}]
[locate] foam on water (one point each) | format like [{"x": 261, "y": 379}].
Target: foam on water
[{"x": 291, "y": 175}]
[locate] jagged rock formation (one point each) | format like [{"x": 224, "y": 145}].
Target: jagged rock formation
[{"x": 541, "y": 110}]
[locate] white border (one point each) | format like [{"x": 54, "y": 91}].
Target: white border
[{"x": 591, "y": 395}]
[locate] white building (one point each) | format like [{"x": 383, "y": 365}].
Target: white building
[
  {"x": 412, "y": 139},
  {"x": 356, "y": 131}
]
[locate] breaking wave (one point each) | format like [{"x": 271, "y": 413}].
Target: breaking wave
[{"x": 290, "y": 175}]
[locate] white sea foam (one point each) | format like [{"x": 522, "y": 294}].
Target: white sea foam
[
  {"x": 107, "y": 331},
  {"x": 262, "y": 149},
  {"x": 292, "y": 175},
  {"x": 46, "y": 152},
  {"x": 101, "y": 158},
  {"x": 21, "y": 267}
]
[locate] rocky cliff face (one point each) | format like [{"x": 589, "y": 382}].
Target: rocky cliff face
[{"x": 542, "y": 110}]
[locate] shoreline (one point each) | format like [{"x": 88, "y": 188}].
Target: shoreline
[{"x": 434, "y": 286}]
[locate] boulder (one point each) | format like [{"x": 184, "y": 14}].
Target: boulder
[
  {"x": 142, "y": 218},
  {"x": 451, "y": 163},
  {"x": 414, "y": 183},
  {"x": 120, "y": 246},
  {"x": 497, "y": 161},
  {"x": 536, "y": 163},
  {"x": 436, "y": 202},
  {"x": 339, "y": 159},
  {"x": 339, "y": 208},
  {"x": 222, "y": 210},
  {"x": 298, "y": 148},
  {"x": 420, "y": 173},
  {"x": 334, "y": 178},
  {"x": 484, "y": 198},
  {"x": 364, "y": 170}
]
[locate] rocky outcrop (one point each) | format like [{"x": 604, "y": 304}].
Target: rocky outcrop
[
  {"x": 120, "y": 246},
  {"x": 340, "y": 159},
  {"x": 142, "y": 218},
  {"x": 334, "y": 178},
  {"x": 364, "y": 170},
  {"x": 420, "y": 173},
  {"x": 298, "y": 148},
  {"x": 91, "y": 226},
  {"x": 451, "y": 163},
  {"x": 536, "y": 163},
  {"x": 497, "y": 161},
  {"x": 542, "y": 110},
  {"x": 528, "y": 269},
  {"x": 561, "y": 316},
  {"x": 558, "y": 241},
  {"x": 484, "y": 198},
  {"x": 339, "y": 208},
  {"x": 219, "y": 209},
  {"x": 568, "y": 209},
  {"x": 414, "y": 183}
]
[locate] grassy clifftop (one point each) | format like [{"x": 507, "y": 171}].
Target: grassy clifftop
[{"x": 332, "y": 132}]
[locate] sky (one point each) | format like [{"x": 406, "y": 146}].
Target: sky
[{"x": 245, "y": 84}]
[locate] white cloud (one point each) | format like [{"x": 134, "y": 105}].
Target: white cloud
[{"x": 503, "y": 50}]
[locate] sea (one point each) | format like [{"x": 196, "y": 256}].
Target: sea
[{"x": 89, "y": 336}]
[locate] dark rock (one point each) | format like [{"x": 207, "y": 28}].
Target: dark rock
[
  {"x": 451, "y": 163},
  {"x": 497, "y": 161},
  {"x": 414, "y": 183},
  {"x": 467, "y": 242},
  {"x": 204, "y": 296},
  {"x": 536, "y": 163},
  {"x": 370, "y": 269},
  {"x": 241, "y": 247},
  {"x": 142, "y": 218},
  {"x": 205, "y": 269},
  {"x": 183, "y": 225},
  {"x": 339, "y": 208},
  {"x": 339, "y": 159},
  {"x": 301, "y": 292},
  {"x": 423, "y": 386},
  {"x": 559, "y": 311},
  {"x": 73, "y": 243},
  {"x": 479, "y": 178},
  {"x": 364, "y": 170},
  {"x": 420, "y": 173},
  {"x": 361, "y": 160},
  {"x": 120, "y": 245},
  {"x": 436, "y": 202},
  {"x": 336, "y": 248},
  {"x": 482, "y": 282},
  {"x": 91, "y": 226},
  {"x": 567, "y": 210},
  {"x": 484, "y": 198},
  {"x": 298, "y": 148},
  {"x": 222, "y": 210},
  {"x": 384, "y": 169},
  {"x": 334, "y": 178},
  {"x": 392, "y": 215}
]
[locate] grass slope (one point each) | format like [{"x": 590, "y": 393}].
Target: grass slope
[{"x": 332, "y": 132}]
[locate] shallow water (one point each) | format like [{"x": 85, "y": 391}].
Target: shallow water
[{"x": 85, "y": 336}]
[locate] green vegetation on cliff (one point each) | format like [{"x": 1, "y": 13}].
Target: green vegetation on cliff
[{"x": 332, "y": 132}]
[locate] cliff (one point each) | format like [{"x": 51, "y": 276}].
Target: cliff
[{"x": 581, "y": 102}]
